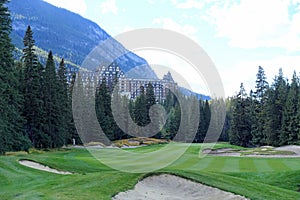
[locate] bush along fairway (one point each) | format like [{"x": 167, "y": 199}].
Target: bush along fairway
[{"x": 254, "y": 178}]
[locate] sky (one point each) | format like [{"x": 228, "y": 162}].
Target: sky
[{"x": 238, "y": 35}]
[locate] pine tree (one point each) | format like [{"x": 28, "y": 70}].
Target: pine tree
[
  {"x": 218, "y": 111},
  {"x": 64, "y": 104},
  {"x": 200, "y": 132},
  {"x": 156, "y": 119},
  {"x": 193, "y": 119},
  {"x": 71, "y": 127},
  {"x": 89, "y": 117},
  {"x": 240, "y": 132},
  {"x": 53, "y": 117},
  {"x": 33, "y": 93},
  {"x": 103, "y": 110},
  {"x": 225, "y": 133},
  {"x": 290, "y": 123},
  {"x": 206, "y": 117},
  {"x": 78, "y": 108},
  {"x": 140, "y": 112},
  {"x": 258, "y": 114},
  {"x": 169, "y": 101},
  {"x": 261, "y": 85},
  {"x": 11, "y": 122},
  {"x": 275, "y": 108}
]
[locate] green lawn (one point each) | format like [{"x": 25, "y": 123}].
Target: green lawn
[{"x": 255, "y": 178}]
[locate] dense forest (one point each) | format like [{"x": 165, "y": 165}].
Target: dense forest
[
  {"x": 269, "y": 115},
  {"x": 134, "y": 117},
  {"x": 35, "y": 100},
  {"x": 36, "y": 107}
]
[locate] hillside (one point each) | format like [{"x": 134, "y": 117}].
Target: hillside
[{"x": 68, "y": 35}]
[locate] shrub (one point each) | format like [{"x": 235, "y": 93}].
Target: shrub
[{"x": 17, "y": 153}]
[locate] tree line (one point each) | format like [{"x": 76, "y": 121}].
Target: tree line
[
  {"x": 35, "y": 104},
  {"x": 269, "y": 115},
  {"x": 134, "y": 116},
  {"x": 36, "y": 107}
]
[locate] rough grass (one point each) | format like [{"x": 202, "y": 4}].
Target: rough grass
[{"x": 255, "y": 178}]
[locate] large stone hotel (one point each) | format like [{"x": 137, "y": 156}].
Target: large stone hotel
[{"x": 130, "y": 86}]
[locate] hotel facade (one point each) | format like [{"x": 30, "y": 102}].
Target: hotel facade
[{"x": 130, "y": 87}]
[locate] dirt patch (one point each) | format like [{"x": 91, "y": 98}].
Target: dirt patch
[
  {"x": 169, "y": 187},
  {"x": 41, "y": 167}
]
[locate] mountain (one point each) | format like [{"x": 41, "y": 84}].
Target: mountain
[
  {"x": 71, "y": 37},
  {"x": 188, "y": 92}
]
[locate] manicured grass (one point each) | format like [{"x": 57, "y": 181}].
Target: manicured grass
[
  {"x": 91, "y": 181},
  {"x": 255, "y": 178}
]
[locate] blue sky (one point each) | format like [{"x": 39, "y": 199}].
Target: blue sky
[{"x": 237, "y": 35}]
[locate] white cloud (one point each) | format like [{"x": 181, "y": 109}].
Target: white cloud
[
  {"x": 256, "y": 23},
  {"x": 197, "y": 4},
  {"x": 246, "y": 71},
  {"x": 77, "y": 6},
  {"x": 170, "y": 24},
  {"x": 109, "y": 6},
  {"x": 151, "y": 1}
]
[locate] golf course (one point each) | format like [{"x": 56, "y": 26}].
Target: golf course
[{"x": 249, "y": 176}]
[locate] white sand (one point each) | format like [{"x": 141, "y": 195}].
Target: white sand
[
  {"x": 169, "y": 187},
  {"x": 229, "y": 152},
  {"x": 293, "y": 148},
  {"x": 39, "y": 166}
]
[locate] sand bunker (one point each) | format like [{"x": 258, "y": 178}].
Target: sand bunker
[
  {"x": 291, "y": 151},
  {"x": 293, "y": 148},
  {"x": 39, "y": 166},
  {"x": 170, "y": 187}
]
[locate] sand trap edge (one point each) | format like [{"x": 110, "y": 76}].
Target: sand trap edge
[
  {"x": 41, "y": 167},
  {"x": 139, "y": 192}
]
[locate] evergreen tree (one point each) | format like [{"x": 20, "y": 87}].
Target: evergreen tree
[
  {"x": 240, "y": 132},
  {"x": 290, "y": 124},
  {"x": 89, "y": 117},
  {"x": 193, "y": 119},
  {"x": 33, "y": 93},
  {"x": 172, "y": 108},
  {"x": 169, "y": 101},
  {"x": 72, "y": 131},
  {"x": 261, "y": 85},
  {"x": 11, "y": 122},
  {"x": 225, "y": 133},
  {"x": 206, "y": 117},
  {"x": 78, "y": 107},
  {"x": 275, "y": 107},
  {"x": 258, "y": 104},
  {"x": 54, "y": 120},
  {"x": 150, "y": 97},
  {"x": 131, "y": 109},
  {"x": 200, "y": 132},
  {"x": 140, "y": 112},
  {"x": 156, "y": 117},
  {"x": 103, "y": 110},
  {"x": 218, "y": 110},
  {"x": 125, "y": 111},
  {"x": 66, "y": 123}
]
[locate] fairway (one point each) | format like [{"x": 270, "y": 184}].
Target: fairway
[{"x": 255, "y": 178}]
